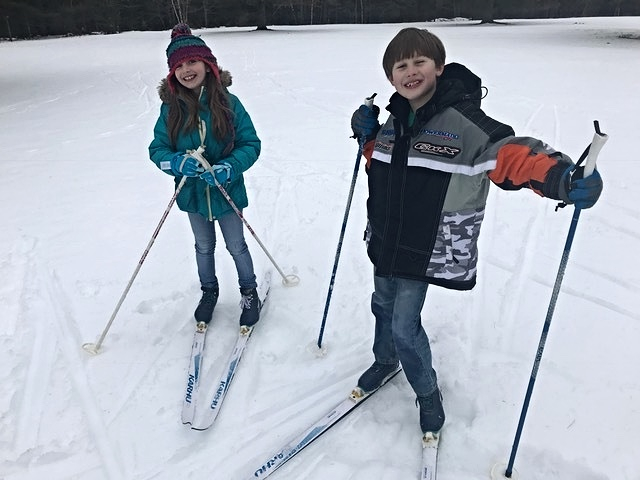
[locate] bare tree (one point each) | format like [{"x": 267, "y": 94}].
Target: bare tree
[{"x": 181, "y": 10}]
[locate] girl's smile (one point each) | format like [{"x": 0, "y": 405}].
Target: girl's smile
[{"x": 191, "y": 74}]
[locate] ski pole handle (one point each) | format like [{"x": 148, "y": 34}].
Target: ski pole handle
[
  {"x": 599, "y": 139},
  {"x": 369, "y": 100}
]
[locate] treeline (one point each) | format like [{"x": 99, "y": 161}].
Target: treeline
[{"x": 35, "y": 18}]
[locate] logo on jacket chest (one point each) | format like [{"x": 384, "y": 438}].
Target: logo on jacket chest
[
  {"x": 383, "y": 147},
  {"x": 429, "y": 148}
]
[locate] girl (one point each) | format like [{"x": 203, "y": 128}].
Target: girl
[{"x": 198, "y": 112}]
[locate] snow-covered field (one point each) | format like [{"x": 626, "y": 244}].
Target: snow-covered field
[{"x": 80, "y": 199}]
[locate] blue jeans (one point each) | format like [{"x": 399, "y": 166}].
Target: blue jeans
[
  {"x": 205, "y": 235},
  {"x": 399, "y": 336}
]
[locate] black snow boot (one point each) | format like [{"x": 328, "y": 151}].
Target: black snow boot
[
  {"x": 250, "y": 304},
  {"x": 204, "y": 310},
  {"x": 375, "y": 375},
  {"x": 431, "y": 412}
]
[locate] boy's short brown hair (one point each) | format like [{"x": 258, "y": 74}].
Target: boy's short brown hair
[{"x": 413, "y": 41}]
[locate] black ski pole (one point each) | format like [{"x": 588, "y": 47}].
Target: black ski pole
[
  {"x": 591, "y": 154},
  {"x": 369, "y": 103}
]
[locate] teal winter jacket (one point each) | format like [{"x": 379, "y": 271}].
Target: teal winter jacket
[{"x": 197, "y": 196}]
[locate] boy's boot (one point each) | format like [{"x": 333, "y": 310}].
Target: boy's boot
[
  {"x": 375, "y": 375},
  {"x": 250, "y": 304},
  {"x": 431, "y": 412},
  {"x": 204, "y": 310}
]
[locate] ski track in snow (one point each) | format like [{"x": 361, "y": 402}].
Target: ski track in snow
[
  {"x": 44, "y": 349},
  {"x": 69, "y": 341},
  {"x": 516, "y": 282}
]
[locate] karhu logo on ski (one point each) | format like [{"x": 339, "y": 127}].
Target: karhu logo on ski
[
  {"x": 438, "y": 150},
  {"x": 190, "y": 385},
  {"x": 270, "y": 464},
  {"x": 219, "y": 392}
]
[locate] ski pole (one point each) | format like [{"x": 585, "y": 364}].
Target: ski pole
[
  {"x": 94, "y": 348},
  {"x": 591, "y": 154},
  {"x": 288, "y": 280},
  {"x": 369, "y": 103}
]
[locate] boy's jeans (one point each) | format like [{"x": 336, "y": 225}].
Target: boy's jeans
[
  {"x": 396, "y": 304},
  {"x": 205, "y": 234}
]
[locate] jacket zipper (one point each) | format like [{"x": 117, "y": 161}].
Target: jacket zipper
[{"x": 209, "y": 202}]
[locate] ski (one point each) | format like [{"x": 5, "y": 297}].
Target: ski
[
  {"x": 227, "y": 376},
  {"x": 195, "y": 366},
  {"x": 295, "y": 446},
  {"x": 193, "y": 376},
  {"x": 430, "y": 442}
]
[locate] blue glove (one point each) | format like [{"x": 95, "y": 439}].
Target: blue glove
[
  {"x": 222, "y": 171},
  {"x": 364, "y": 122},
  {"x": 183, "y": 164},
  {"x": 582, "y": 192}
]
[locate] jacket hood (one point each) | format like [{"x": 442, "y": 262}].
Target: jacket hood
[
  {"x": 458, "y": 83},
  {"x": 165, "y": 93}
]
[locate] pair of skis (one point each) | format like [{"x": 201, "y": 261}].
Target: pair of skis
[
  {"x": 195, "y": 368},
  {"x": 430, "y": 440}
]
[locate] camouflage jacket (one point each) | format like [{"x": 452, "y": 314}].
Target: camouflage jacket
[{"x": 428, "y": 182}]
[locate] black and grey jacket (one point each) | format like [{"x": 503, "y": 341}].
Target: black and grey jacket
[{"x": 428, "y": 182}]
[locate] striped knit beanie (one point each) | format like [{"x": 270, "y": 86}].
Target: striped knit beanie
[{"x": 185, "y": 46}]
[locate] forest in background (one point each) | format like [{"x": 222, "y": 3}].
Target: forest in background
[{"x": 37, "y": 18}]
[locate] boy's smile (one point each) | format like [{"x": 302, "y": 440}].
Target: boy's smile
[{"x": 415, "y": 79}]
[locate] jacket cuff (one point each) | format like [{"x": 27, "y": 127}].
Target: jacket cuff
[{"x": 556, "y": 185}]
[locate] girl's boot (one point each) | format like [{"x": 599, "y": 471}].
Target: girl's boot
[
  {"x": 250, "y": 304},
  {"x": 204, "y": 310}
]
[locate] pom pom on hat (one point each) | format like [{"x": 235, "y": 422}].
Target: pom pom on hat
[
  {"x": 186, "y": 46},
  {"x": 180, "y": 29}
]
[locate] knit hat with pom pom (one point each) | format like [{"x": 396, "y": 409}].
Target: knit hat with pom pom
[{"x": 185, "y": 46}]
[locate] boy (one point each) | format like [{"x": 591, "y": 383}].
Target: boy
[{"x": 429, "y": 169}]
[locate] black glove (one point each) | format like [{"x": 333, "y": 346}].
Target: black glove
[{"x": 364, "y": 122}]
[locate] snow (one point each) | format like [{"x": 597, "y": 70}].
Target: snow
[{"x": 80, "y": 201}]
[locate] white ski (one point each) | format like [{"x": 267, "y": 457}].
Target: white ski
[
  {"x": 193, "y": 377},
  {"x": 430, "y": 442},
  {"x": 286, "y": 453},
  {"x": 234, "y": 359},
  {"x": 225, "y": 380}
]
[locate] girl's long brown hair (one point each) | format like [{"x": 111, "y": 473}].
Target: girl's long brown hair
[{"x": 184, "y": 110}]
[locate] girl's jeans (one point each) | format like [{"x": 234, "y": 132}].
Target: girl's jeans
[
  {"x": 205, "y": 235},
  {"x": 396, "y": 304}
]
